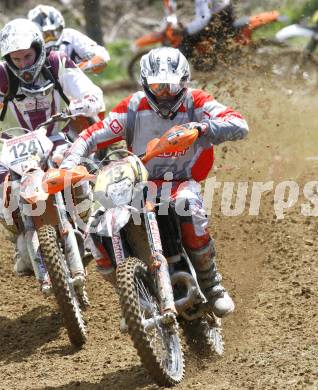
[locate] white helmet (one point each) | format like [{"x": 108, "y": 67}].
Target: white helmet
[
  {"x": 165, "y": 76},
  {"x": 51, "y": 23},
  {"x": 21, "y": 34}
]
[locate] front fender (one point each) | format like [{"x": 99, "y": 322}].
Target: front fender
[{"x": 112, "y": 221}]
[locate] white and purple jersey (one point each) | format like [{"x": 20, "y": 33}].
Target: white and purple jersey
[
  {"x": 29, "y": 112},
  {"x": 80, "y": 47}
]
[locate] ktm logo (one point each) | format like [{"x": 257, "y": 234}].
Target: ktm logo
[
  {"x": 115, "y": 126},
  {"x": 173, "y": 154}
]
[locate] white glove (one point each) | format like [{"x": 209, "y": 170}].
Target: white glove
[
  {"x": 200, "y": 126},
  {"x": 88, "y": 106}
]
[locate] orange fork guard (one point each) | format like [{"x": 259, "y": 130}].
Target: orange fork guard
[
  {"x": 56, "y": 179},
  {"x": 176, "y": 139}
]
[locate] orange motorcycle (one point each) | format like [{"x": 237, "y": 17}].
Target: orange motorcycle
[
  {"x": 156, "y": 281},
  {"x": 166, "y": 36},
  {"x": 52, "y": 244}
]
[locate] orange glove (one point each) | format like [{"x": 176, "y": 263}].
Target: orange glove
[{"x": 96, "y": 65}]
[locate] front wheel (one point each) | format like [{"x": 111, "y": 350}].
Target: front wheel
[
  {"x": 157, "y": 343},
  {"x": 62, "y": 287}
]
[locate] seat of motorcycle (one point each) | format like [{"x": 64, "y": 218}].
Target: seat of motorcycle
[{"x": 241, "y": 22}]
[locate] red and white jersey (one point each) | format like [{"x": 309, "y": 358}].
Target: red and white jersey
[{"x": 224, "y": 124}]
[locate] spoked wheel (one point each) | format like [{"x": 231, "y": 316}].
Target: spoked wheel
[
  {"x": 212, "y": 334},
  {"x": 204, "y": 335},
  {"x": 134, "y": 66},
  {"x": 155, "y": 336},
  {"x": 63, "y": 289}
]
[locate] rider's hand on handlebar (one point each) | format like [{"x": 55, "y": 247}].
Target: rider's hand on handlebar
[{"x": 201, "y": 127}]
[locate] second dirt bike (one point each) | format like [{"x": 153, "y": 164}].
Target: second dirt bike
[
  {"x": 156, "y": 281},
  {"x": 165, "y": 36},
  {"x": 52, "y": 244}
]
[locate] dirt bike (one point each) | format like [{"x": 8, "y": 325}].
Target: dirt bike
[
  {"x": 54, "y": 245},
  {"x": 293, "y": 63},
  {"x": 166, "y": 36},
  {"x": 156, "y": 280}
]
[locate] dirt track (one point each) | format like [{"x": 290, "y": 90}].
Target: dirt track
[{"x": 269, "y": 265}]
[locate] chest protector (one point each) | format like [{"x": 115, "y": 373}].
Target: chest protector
[{"x": 49, "y": 71}]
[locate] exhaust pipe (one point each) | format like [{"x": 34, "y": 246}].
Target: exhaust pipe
[{"x": 184, "y": 278}]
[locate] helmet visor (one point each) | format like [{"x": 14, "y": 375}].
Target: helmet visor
[{"x": 165, "y": 89}]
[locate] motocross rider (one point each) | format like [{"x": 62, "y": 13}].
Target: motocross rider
[
  {"x": 79, "y": 47},
  {"x": 213, "y": 18},
  {"x": 34, "y": 86},
  {"x": 166, "y": 100}
]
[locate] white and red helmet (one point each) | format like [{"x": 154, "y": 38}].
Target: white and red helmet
[{"x": 165, "y": 77}]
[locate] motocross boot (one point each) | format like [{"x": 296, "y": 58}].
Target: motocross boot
[{"x": 210, "y": 279}]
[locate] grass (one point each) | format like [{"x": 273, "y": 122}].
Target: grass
[{"x": 116, "y": 69}]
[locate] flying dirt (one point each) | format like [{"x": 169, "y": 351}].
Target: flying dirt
[{"x": 268, "y": 260}]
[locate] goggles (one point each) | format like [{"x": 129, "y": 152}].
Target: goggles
[
  {"x": 51, "y": 35},
  {"x": 165, "y": 89}
]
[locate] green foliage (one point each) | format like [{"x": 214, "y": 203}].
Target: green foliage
[
  {"x": 268, "y": 31},
  {"x": 299, "y": 12},
  {"x": 116, "y": 69}
]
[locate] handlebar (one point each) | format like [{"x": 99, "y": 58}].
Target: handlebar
[{"x": 62, "y": 116}]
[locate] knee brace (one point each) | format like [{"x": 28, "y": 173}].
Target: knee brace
[{"x": 203, "y": 261}]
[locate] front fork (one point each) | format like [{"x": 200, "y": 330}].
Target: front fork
[
  {"x": 33, "y": 245},
  {"x": 160, "y": 265},
  {"x": 72, "y": 252}
]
